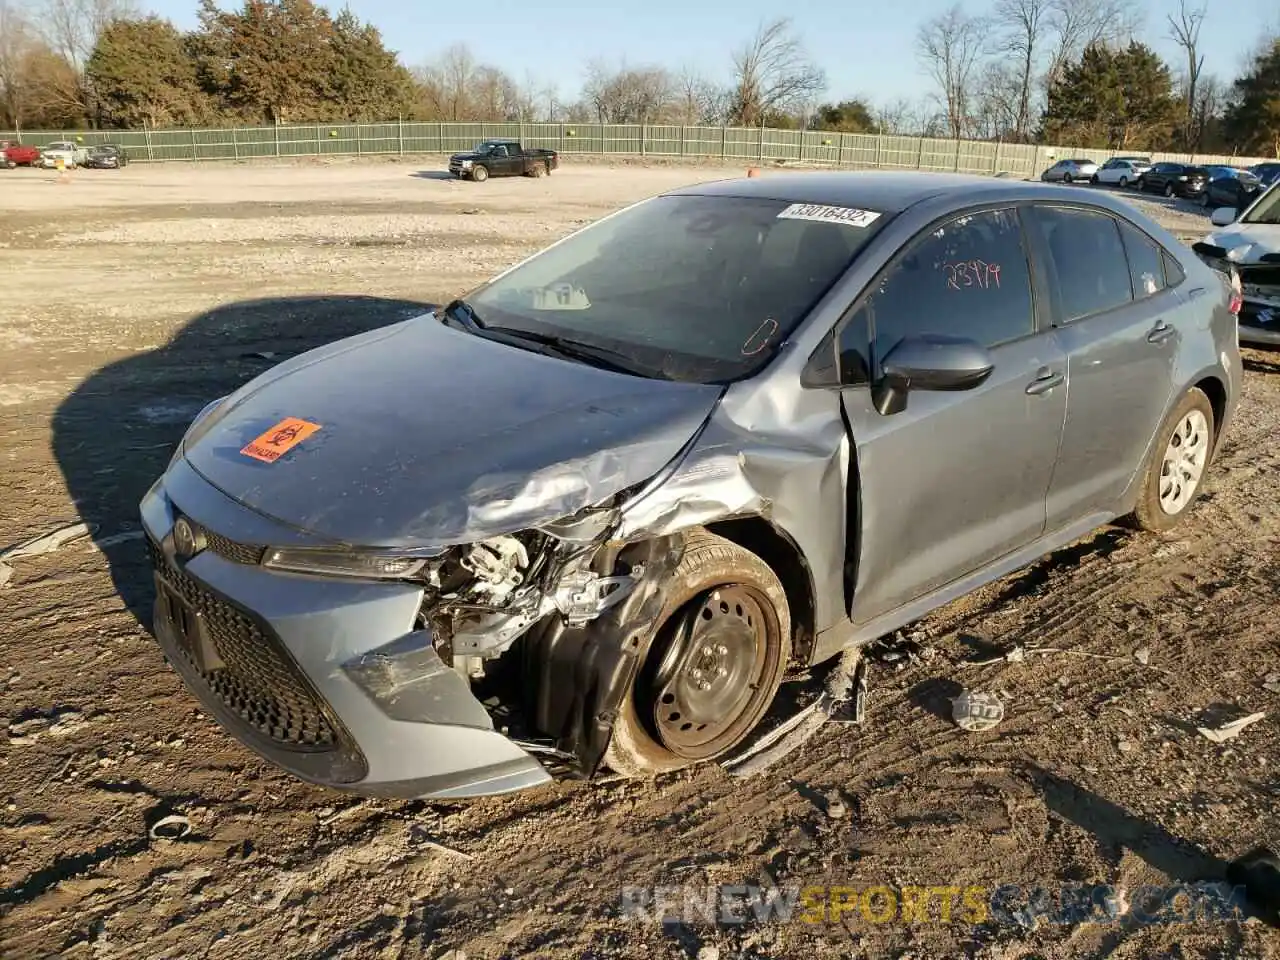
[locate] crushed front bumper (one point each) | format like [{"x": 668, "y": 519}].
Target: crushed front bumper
[{"x": 325, "y": 677}]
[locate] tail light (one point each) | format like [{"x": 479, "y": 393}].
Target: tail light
[{"x": 1236, "y": 302}]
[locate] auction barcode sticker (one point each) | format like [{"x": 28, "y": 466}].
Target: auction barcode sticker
[{"x": 816, "y": 211}]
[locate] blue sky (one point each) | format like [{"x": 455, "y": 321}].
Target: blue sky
[{"x": 866, "y": 47}]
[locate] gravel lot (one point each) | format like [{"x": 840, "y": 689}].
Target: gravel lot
[{"x": 133, "y": 297}]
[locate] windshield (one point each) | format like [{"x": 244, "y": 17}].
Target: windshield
[
  {"x": 1266, "y": 210},
  {"x": 692, "y": 288}
]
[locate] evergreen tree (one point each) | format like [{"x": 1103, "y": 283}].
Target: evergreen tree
[
  {"x": 1252, "y": 122},
  {"x": 1113, "y": 99},
  {"x": 141, "y": 73}
]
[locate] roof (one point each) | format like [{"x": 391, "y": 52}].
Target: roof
[{"x": 888, "y": 191}]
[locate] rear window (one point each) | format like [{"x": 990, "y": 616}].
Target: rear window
[
  {"x": 1086, "y": 259},
  {"x": 1145, "y": 269},
  {"x": 692, "y": 288}
]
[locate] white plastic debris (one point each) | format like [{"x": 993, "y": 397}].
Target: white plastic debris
[
  {"x": 1229, "y": 731},
  {"x": 46, "y": 543},
  {"x": 977, "y": 712},
  {"x": 170, "y": 828}
]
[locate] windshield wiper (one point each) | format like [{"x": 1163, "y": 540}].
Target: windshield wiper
[
  {"x": 584, "y": 352},
  {"x": 461, "y": 313}
]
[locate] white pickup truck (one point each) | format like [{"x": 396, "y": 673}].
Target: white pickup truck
[{"x": 70, "y": 153}]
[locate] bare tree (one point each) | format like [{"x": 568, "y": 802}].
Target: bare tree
[
  {"x": 950, "y": 47},
  {"x": 15, "y": 52},
  {"x": 1184, "y": 30},
  {"x": 1078, "y": 24},
  {"x": 996, "y": 107},
  {"x": 698, "y": 100},
  {"x": 1024, "y": 23},
  {"x": 772, "y": 73},
  {"x": 72, "y": 27},
  {"x": 628, "y": 94}
]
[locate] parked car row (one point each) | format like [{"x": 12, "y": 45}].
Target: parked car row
[
  {"x": 1212, "y": 185},
  {"x": 105, "y": 156}
]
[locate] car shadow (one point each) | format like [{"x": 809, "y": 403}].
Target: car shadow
[
  {"x": 115, "y": 433},
  {"x": 433, "y": 175}
]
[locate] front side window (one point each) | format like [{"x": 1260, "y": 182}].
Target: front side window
[
  {"x": 967, "y": 278},
  {"x": 1086, "y": 259},
  {"x": 697, "y": 288}
]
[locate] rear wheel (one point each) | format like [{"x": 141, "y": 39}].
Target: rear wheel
[
  {"x": 1168, "y": 189},
  {"x": 718, "y": 655},
  {"x": 1124, "y": 182},
  {"x": 480, "y": 174},
  {"x": 1067, "y": 178},
  {"x": 538, "y": 170},
  {"x": 1094, "y": 179},
  {"x": 1177, "y": 464}
]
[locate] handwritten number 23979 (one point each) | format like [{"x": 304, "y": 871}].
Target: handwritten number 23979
[{"x": 972, "y": 273}]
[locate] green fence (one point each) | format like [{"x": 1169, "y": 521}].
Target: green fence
[{"x": 760, "y": 145}]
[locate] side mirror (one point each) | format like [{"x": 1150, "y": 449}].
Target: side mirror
[
  {"x": 929, "y": 362},
  {"x": 1223, "y": 216}
]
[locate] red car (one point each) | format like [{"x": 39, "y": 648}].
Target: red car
[{"x": 17, "y": 154}]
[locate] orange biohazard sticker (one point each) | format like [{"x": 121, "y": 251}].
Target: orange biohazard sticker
[{"x": 279, "y": 440}]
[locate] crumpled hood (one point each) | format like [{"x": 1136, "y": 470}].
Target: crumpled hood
[
  {"x": 467, "y": 156},
  {"x": 1247, "y": 242},
  {"x": 430, "y": 436}
]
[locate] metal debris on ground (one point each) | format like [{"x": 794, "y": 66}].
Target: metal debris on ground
[
  {"x": 45, "y": 543},
  {"x": 1019, "y": 654},
  {"x": 170, "y": 828},
  {"x": 977, "y": 712},
  {"x": 1229, "y": 731},
  {"x": 846, "y": 682}
]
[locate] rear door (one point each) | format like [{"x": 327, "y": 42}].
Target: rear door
[
  {"x": 1117, "y": 318},
  {"x": 957, "y": 479}
]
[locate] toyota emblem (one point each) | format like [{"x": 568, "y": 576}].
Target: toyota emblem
[{"x": 186, "y": 539}]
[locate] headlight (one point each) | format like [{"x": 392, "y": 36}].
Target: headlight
[
  {"x": 466, "y": 163},
  {"x": 343, "y": 563}
]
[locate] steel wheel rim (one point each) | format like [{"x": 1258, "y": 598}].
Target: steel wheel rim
[
  {"x": 1184, "y": 461},
  {"x": 709, "y": 689}
]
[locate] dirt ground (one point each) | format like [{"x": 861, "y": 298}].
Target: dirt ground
[{"x": 131, "y": 298}]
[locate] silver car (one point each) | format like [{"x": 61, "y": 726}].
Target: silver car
[
  {"x": 590, "y": 515},
  {"x": 1069, "y": 171}
]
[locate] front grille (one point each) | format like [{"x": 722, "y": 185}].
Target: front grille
[
  {"x": 257, "y": 681},
  {"x": 231, "y": 550}
]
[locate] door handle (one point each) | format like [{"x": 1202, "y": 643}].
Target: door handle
[
  {"x": 1160, "y": 332},
  {"x": 1195, "y": 292},
  {"x": 1045, "y": 381}
]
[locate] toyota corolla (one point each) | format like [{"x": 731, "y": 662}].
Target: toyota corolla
[{"x": 592, "y": 513}]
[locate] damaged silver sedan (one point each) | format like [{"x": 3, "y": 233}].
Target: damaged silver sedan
[{"x": 590, "y": 515}]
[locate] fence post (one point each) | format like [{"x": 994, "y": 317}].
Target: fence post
[
  {"x": 840, "y": 152},
  {"x": 400, "y": 136},
  {"x": 920, "y": 155},
  {"x": 193, "y": 144},
  {"x": 146, "y": 133},
  {"x": 957, "y": 164},
  {"x": 724, "y": 132},
  {"x": 275, "y": 129},
  {"x": 644, "y": 131},
  {"x": 682, "y": 139},
  {"x": 235, "y": 145},
  {"x": 995, "y": 161},
  {"x": 879, "y": 138}
]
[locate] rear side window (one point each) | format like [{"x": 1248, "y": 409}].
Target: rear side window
[
  {"x": 1145, "y": 269},
  {"x": 1087, "y": 262},
  {"x": 966, "y": 278},
  {"x": 1173, "y": 272}
]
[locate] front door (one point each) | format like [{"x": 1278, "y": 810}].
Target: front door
[
  {"x": 1118, "y": 321},
  {"x": 957, "y": 479}
]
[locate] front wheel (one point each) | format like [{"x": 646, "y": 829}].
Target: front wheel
[
  {"x": 1177, "y": 464},
  {"x": 480, "y": 174},
  {"x": 1204, "y": 199},
  {"x": 1094, "y": 180},
  {"x": 1067, "y": 178},
  {"x": 717, "y": 657},
  {"x": 9, "y": 164}
]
